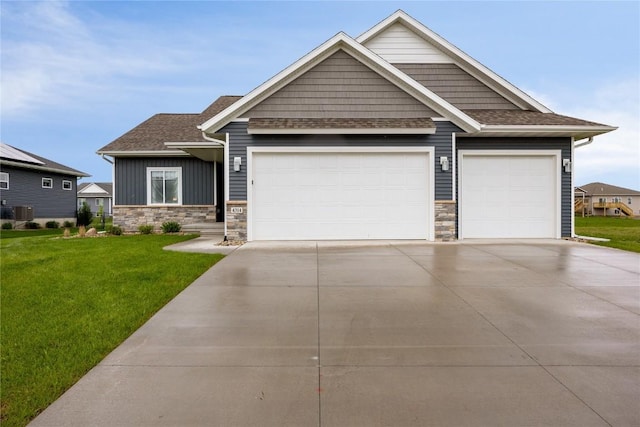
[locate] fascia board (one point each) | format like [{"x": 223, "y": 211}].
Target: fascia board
[
  {"x": 44, "y": 168},
  {"x": 546, "y": 128},
  {"x": 370, "y": 59},
  {"x": 344, "y": 131},
  {"x": 147, "y": 153},
  {"x": 199, "y": 144},
  {"x": 463, "y": 60}
]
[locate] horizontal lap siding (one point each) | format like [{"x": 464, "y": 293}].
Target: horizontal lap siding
[
  {"x": 131, "y": 179},
  {"x": 399, "y": 44},
  {"x": 340, "y": 87},
  {"x": 456, "y": 86},
  {"x": 240, "y": 140},
  {"x": 563, "y": 144},
  {"x": 25, "y": 189}
]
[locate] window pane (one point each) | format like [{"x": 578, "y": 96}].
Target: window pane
[
  {"x": 157, "y": 193},
  {"x": 171, "y": 187}
]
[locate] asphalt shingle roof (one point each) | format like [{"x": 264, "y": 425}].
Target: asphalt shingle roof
[
  {"x": 524, "y": 117},
  {"x": 340, "y": 123},
  {"x": 47, "y": 164},
  {"x": 601, "y": 189}
]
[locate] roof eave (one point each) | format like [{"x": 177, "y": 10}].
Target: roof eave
[
  {"x": 343, "y": 131},
  {"x": 45, "y": 168},
  {"x": 577, "y": 132},
  {"x": 142, "y": 153}
]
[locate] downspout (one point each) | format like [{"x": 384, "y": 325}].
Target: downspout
[
  {"x": 225, "y": 165},
  {"x": 112, "y": 199},
  {"x": 573, "y": 197},
  {"x": 582, "y": 144}
]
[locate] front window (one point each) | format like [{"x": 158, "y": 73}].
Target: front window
[
  {"x": 164, "y": 186},
  {"x": 4, "y": 181},
  {"x": 629, "y": 201},
  {"x": 99, "y": 202},
  {"x": 67, "y": 185},
  {"x": 81, "y": 201},
  {"x": 47, "y": 182}
]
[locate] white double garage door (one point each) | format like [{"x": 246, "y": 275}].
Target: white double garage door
[{"x": 325, "y": 193}]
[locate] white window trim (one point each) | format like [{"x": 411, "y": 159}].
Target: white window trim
[
  {"x": 49, "y": 180},
  {"x": 66, "y": 181},
  {"x": 164, "y": 169},
  {"x": 4, "y": 178}
]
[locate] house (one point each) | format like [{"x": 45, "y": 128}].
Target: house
[
  {"x": 601, "y": 199},
  {"x": 36, "y": 189},
  {"x": 98, "y": 195},
  {"x": 395, "y": 134}
]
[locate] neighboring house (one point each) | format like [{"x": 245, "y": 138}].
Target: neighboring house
[
  {"x": 396, "y": 134},
  {"x": 601, "y": 199},
  {"x": 36, "y": 189},
  {"x": 97, "y": 195}
]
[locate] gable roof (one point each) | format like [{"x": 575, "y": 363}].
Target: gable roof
[
  {"x": 464, "y": 61},
  {"x": 150, "y": 135},
  {"x": 602, "y": 189},
  {"x": 95, "y": 189},
  {"x": 341, "y": 41},
  {"x": 12, "y": 156}
]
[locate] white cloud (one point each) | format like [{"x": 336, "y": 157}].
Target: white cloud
[
  {"x": 52, "y": 58},
  {"x": 613, "y": 157}
]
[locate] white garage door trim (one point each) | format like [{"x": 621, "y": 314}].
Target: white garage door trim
[
  {"x": 556, "y": 155},
  {"x": 431, "y": 175}
]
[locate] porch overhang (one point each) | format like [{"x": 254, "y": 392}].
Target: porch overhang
[{"x": 209, "y": 151}]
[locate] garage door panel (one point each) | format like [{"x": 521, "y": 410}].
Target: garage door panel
[
  {"x": 508, "y": 196},
  {"x": 320, "y": 195}
]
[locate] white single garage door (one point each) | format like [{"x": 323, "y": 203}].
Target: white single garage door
[
  {"x": 509, "y": 195},
  {"x": 339, "y": 195}
]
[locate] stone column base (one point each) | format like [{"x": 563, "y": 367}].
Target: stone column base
[
  {"x": 236, "y": 217},
  {"x": 445, "y": 221}
]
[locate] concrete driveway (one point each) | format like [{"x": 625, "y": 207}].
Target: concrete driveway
[{"x": 390, "y": 333}]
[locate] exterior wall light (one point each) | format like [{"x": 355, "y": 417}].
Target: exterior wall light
[
  {"x": 237, "y": 161},
  {"x": 444, "y": 162},
  {"x": 566, "y": 165}
]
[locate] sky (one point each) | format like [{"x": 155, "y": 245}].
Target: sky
[{"x": 76, "y": 75}]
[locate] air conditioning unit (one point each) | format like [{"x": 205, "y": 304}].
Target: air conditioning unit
[{"x": 23, "y": 213}]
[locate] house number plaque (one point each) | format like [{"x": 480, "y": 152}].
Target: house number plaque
[{"x": 237, "y": 210}]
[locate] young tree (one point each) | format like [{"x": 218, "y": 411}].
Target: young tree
[{"x": 84, "y": 215}]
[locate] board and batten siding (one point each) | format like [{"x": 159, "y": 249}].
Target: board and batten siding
[
  {"x": 340, "y": 87},
  {"x": 25, "y": 189},
  {"x": 398, "y": 44},
  {"x": 531, "y": 143},
  {"x": 456, "y": 86},
  {"x": 131, "y": 179},
  {"x": 239, "y": 140}
]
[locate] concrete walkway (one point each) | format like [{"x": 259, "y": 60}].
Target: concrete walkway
[{"x": 382, "y": 333}]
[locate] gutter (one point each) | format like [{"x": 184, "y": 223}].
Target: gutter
[
  {"x": 105, "y": 158},
  {"x": 582, "y": 144}
]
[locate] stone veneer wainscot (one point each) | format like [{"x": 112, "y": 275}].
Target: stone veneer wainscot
[
  {"x": 237, "y": 221},
  {"x": 130, "y": 217},
  {"x": 445, "y": 220}
]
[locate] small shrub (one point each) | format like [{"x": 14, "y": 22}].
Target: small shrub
[
  {"x": 67, "y": 224},
  {"x": 171, "y": 227},
  {"x": 145, "y": 228},
  {"x": 7, "y": 226},
  {"x": 114, "y": 230},
  {"x": 52, "y": 224},
  {"x": 84, "y": 215},
  {"x": 30, "y": 225}
]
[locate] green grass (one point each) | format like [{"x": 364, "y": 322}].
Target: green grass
[
  {"x": 66, "y": 303},
  {"x": 12, "y": 234},
  {"x": 624, "y": 233}
]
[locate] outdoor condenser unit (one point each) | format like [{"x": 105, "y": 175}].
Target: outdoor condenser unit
[{"x": 23, "y": 213}]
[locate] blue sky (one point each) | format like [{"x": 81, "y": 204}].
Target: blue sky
[{"x": 76, "y": 75}]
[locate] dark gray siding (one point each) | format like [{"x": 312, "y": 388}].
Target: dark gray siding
[
  {"x": 340, "y": 87},
  {"x": 131, "y": 179},
  {"x": 25, "y": 189},
  {"x": 240, "y": 140},
  {"x": 457, "y": 86},
  {"x": 563, "y": 144}
]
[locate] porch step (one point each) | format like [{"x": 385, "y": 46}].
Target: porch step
[{"x": 205, "y": 228}]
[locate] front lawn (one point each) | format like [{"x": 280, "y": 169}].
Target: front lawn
[
  {"x": 66, "y": 303},
  {"x": 624, "y": 233}
]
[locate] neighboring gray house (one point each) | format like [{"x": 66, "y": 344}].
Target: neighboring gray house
[
  {"x": 599, "y": 199},
  {"x": 36, "y": 189},
  {"x": 97, "y": 195},
  {"x": 396, "y": 134}
]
